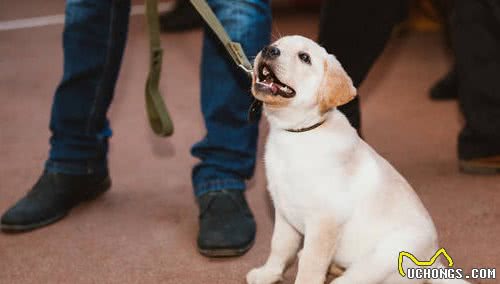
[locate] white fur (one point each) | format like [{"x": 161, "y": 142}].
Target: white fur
[{"x": 332, "y": 191}]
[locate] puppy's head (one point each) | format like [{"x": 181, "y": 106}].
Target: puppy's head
[{"x": 294, "y": 75}]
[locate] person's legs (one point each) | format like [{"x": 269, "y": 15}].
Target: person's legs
[
  {"x": 356, "y": 32},
  {"x": 94, "y": 40},
  {"x": 227, "y": 152},
  {"x": 476, "y": 39}
]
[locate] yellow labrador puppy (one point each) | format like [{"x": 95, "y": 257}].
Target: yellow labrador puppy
[{"x": 332, "y": 192}]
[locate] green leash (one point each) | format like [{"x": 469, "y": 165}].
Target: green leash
[
  {"x": 233, "y": 48},
  {"x": 157, "y": 112}
]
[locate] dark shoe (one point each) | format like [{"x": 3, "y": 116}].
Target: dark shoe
[
  {"x": 227, "y": 227},
  {"x": 446, "y": 88},
  {"x": 182, "y": 18},
  {"x": 51, "y": 198},
  {"x": 486, "y": 165}
]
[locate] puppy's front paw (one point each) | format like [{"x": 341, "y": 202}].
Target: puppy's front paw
[{"x": 262, "y": 275}]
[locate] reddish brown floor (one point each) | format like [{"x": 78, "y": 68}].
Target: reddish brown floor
[{"x": 144, "y": 229}]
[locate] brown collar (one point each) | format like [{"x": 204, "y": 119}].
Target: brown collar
[{"x": 306, "y": 128}]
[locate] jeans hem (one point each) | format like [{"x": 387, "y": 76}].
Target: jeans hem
[
  {"x": 76, "y": 169},
  {"x": 218, "y": 184}
]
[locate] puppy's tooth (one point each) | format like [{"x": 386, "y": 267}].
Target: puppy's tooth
[{"x": 265, "y": 71}]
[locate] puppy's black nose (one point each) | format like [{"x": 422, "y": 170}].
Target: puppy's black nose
[{"x": 270, "y": 52}]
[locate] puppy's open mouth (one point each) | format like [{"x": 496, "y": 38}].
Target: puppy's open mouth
[{"x": 267, "y": 81}]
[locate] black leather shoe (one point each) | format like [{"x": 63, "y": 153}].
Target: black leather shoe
[
  {"x": 182, "y": 18},
  {"x": 227, "y": 227},
  {"x": 51, "y": 198}
]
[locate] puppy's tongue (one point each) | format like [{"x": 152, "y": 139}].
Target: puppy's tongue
[
  {"x": 274, "y": 88},
  {"x": 268, "y": 87}
]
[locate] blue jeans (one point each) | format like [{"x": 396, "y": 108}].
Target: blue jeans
[{"x": 94, "y": 39}]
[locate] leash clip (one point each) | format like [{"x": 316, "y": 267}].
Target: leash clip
[{"x": 246, "y": 69}]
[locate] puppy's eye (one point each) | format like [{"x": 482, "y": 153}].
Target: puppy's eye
[{"x": 304, "y": 57}]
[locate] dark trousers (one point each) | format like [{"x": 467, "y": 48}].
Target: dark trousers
[
  {"x": 475, "y": 30},
  {"x": 356, "y": 31}
]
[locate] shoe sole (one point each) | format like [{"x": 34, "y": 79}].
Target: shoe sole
[
  {"x": 24, "y": 228},
  {"x": 104, "y": 186},
  {"x": 225, "y": 252},
  {"x": 472, "y": 168}
]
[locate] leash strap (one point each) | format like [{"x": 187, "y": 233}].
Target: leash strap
[
  {"x": 157, "y": 112},
  {"x": 233, "y": 48}
]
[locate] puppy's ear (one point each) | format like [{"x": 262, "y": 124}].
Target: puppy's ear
[{"x": 336, "y": 89}]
